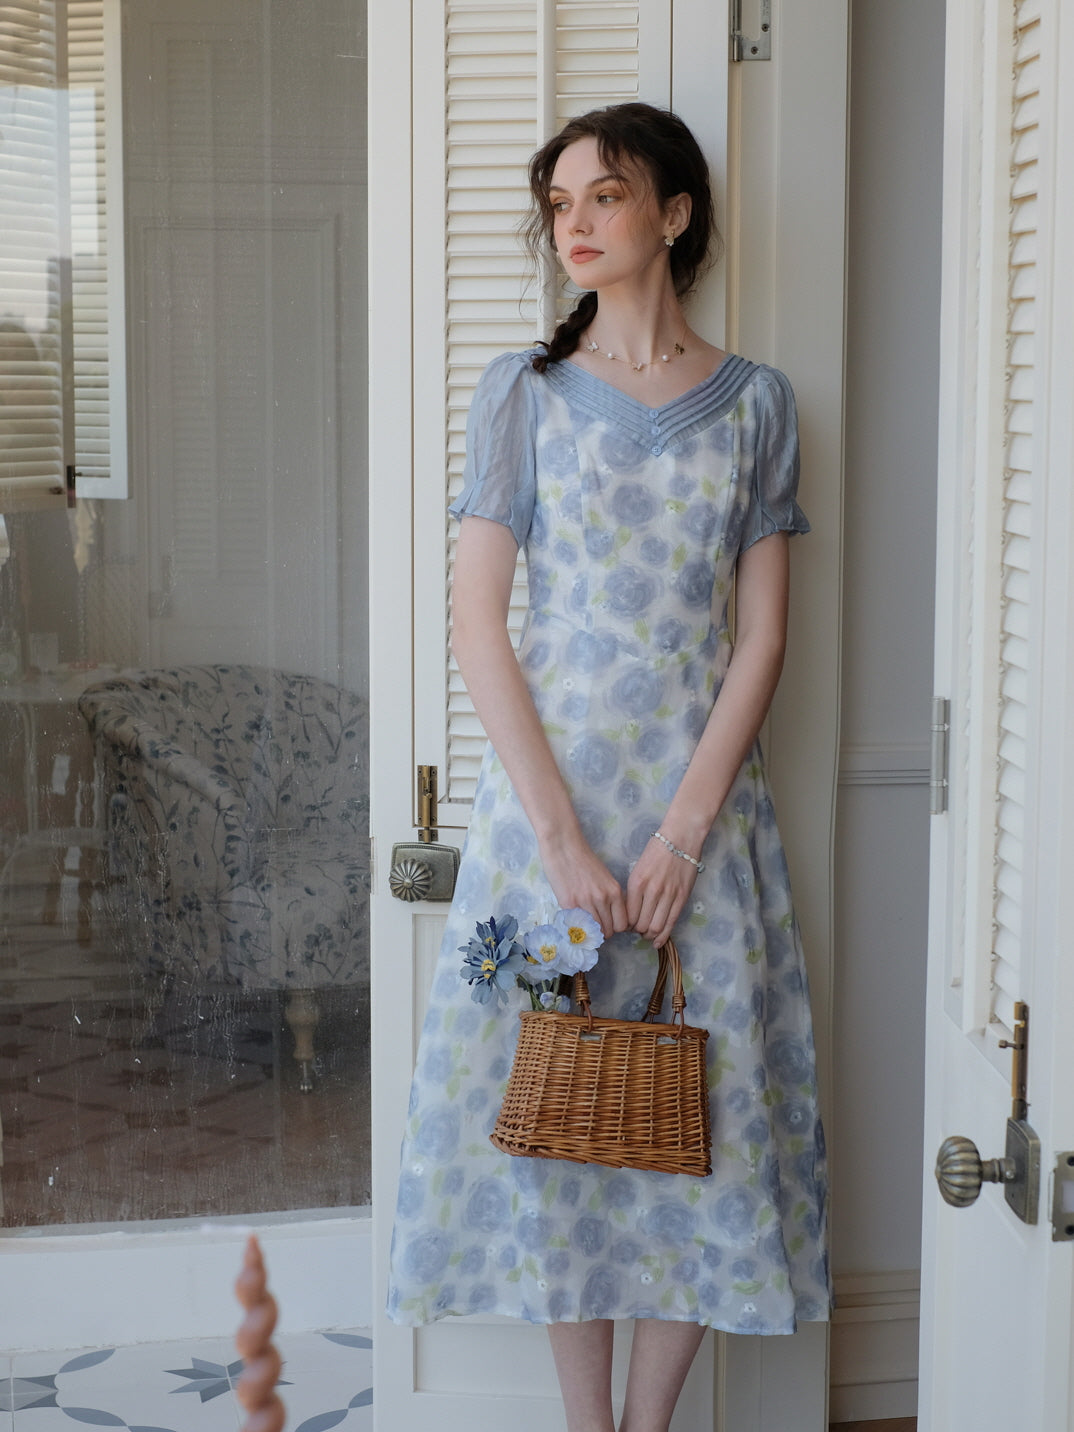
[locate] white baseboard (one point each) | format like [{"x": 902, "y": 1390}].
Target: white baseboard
[
  {"x": 874, "y": 1346},
  {"x": 111, "y": 1285}
]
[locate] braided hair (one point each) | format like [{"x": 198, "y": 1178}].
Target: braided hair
[{"x": 630, "y": 137}]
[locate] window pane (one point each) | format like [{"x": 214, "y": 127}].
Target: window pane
[{"x": 184, "y": 991}]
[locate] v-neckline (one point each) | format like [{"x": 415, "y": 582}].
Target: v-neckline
[
  {"x": 637, "y": 402},
  {"x": 655, "y": 428}
]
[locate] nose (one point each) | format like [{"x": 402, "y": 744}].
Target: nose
[{"x": 578, "y": 221}]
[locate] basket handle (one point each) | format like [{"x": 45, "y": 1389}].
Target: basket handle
[{"x": 669, "y": 963}]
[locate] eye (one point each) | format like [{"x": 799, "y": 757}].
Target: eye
[
  {"x": 607, "y": 198},
  {"x": 559, "y": 206}
]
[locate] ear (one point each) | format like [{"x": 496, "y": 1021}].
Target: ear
[{"x": 677, "y": 213}]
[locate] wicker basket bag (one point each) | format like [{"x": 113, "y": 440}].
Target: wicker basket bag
[{"x": 621, "y": 1092}]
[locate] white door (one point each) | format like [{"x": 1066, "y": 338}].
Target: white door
[
  {"x": 997, "y": 1327},
  {"x": 460, "y": 94}
]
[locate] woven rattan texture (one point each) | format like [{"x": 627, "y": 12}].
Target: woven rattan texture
[{"x": 626, "y": 1093}]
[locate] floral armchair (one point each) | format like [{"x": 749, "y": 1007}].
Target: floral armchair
[{"x": 237, "y": 801}]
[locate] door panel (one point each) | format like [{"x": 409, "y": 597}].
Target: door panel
[
  {"x": 997, "y": 1292},
  {"x": 443, "y": 273}
]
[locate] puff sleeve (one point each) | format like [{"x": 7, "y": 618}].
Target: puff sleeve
[
  {"x": 501, "y": 439},
  {"x": 772, "y": 505}
]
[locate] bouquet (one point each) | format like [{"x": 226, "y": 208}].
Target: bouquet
[{"x": 541, "y": 962}]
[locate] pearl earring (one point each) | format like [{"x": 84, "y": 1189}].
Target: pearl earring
[{"x": 669, "y": 239}]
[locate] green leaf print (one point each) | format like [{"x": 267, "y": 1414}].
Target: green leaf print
[
  {"x": 514, "y": 1202},
  {"x": 663, "y": 713},
  {"x": 668, "y": 1299},
  {"x": 753, "y": 956},
  {"x": 676, "y": 505},
  {"x": 514, "y": 1275},
  {"x": 678, "y": 557},
  {"x": 498, "y": 882},
  {"x": 800, "y": 1210},
  {"x": 596, "y": 1201},
  {"x": 445, "y": 1213},
  {"x": 765, "y": 1216},
  {"x": 548, "y": 1193},
  {"x": 708, "y": 487},
  {"x": 550, "y": 728},
  {"x": 797, "y": 1243},
  {"x": 748, "y": 1289},
  {"x": 641, "y": 631},
  {"x": 453, "y": 1086},
  {"x": 548, "y": 679},
  {"x": 530, "y": 1266},
  {"x": 558, "y": 1240},
  {"x": 779, "y": 1281},
  {"x": 693, "y": 1193},
  {"x": 488, "y": 1029}
]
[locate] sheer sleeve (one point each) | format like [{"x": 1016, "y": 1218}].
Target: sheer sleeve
[
  {"x": 772, "y": 504},
  {"x": 501, "y": 438}
]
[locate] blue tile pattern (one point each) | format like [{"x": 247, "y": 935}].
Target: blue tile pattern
[{"x": 140, "y": 1389}]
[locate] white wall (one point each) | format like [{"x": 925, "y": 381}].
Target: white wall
[{"x": 882, "y": 837}]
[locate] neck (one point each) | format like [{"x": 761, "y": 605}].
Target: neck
[{"x": 641, "y": 334}]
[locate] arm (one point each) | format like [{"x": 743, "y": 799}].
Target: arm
[
  {"x": 660, "y": 882},
  {"x": 481, "y": 593}
]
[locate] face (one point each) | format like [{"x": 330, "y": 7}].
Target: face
[{"x": 607, "y": 229}]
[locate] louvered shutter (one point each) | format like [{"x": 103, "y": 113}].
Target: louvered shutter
[
  {"x": 31, "y": 412},
  {"x": 509, "y": 83},
  {"x": 98, "y": 370},
  {"x": 1006, "y": 974},
  {"x": 61, "y": 324}
]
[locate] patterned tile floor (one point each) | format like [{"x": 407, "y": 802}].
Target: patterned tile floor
[{"x": 186, "y": 1386}]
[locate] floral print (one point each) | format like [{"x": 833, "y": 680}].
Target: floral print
[
  {"x": 238, "y": 812},
  {"x": 632, "y": 520}
]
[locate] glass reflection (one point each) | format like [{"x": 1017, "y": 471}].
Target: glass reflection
[{"x": 183, "y": 728}]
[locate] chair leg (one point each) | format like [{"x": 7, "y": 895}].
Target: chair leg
[{"x": 302, "y": 1016}]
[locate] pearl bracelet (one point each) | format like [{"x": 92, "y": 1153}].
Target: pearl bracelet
[{"x": 682, "y": 854}]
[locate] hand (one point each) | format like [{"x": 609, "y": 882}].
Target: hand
[
  {"x": 581, "y": 881},
  {"x": 658, "y": 888}
]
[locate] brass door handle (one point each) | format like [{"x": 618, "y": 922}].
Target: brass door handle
[{"x": 960, "y": 1171}]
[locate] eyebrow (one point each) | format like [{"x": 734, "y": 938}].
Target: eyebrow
[{"x": 593, "y": 183}]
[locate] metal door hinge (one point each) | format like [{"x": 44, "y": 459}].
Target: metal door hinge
[
  {"x": 742, "y": 46},
  {"x": 939, "y": 753}
]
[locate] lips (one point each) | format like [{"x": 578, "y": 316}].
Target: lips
[{"x": 580, "y": 254}]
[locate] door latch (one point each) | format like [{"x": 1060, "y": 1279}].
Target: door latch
[
  {"x": 424, "y": 869},
  {"x": 960, "y": 1170}
]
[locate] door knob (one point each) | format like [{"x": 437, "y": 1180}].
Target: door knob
[
  {"x": 960, "y": 1171},
  {"x": 423, "y": 871}
]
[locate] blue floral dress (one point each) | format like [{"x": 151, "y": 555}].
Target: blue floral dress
[{"x": 632, "y": 519}]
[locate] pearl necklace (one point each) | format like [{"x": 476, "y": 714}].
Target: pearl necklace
[{"x": 594, "y": 347}]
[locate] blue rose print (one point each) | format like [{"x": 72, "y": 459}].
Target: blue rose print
[
  {"x": 591, "y": 651},
  {"x": 695, "y": 582},
  {"x": 652, "y": 745},
  {"x": 488, "y": 1207},
  {"x": 426, "y": 1256},
  {"x": 589, "y": 1234},
  {"x": 638, "y": 692},
  {"x": 654, "y": 551},
  {"x": 599, "y": 541},
  {"x": 593, "y": 761},
  {"x": 735, "y": 1211},
  {"x": 634, "y": 505},
  {"x": 438, "y": 1137},
  {"x": 631, "y": 592},
  {"x": 600, "y": 1292},
  {"x": 670, "y": 634},
  {"x": 670, "y": 1221},
  {"x": 631, "y": 559}
]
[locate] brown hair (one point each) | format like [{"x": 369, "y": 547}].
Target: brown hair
[{"x": 630, "y": 137}]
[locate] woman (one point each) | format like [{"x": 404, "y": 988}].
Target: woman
[{"x": 642, "y": 469}]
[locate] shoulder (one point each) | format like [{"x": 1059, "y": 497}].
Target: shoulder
[{"x": 507, "y": 380}]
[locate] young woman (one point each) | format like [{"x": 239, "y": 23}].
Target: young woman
[{"x": 642, "y": 469}]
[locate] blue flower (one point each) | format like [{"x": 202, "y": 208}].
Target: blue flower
[
  {"x": 493, "y": 959},
  {"x": 488, "y": 1208},
  {"x": 695, "y": 582},
  {"x": 638, "y": 692},
  {"x": 671, "y": 1220},
  {"x": 580, "y": 939},
  {"x": 600, "y": 1293},
  {"x": 592, "y": 760},
  {"x": 426, "y": 1256},
  {"x": 634, "y": 504},
  {"x": 588, "y": 1234},
  {"x": 631, "y": 592}
]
